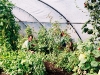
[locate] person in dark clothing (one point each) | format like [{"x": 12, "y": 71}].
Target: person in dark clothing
[{"x": 64, "y": 43}]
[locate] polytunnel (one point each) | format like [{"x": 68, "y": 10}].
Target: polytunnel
[
  {"x": 41, "y": 37},
  {"x": 37, "y": 13}
]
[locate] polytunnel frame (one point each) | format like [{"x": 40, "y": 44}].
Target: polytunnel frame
[
  {"x": 29, "y": 14},
  {"x": 68, "y": 22},
  {"x": 20, "y": 20}
]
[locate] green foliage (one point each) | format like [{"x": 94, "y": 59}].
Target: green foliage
[
  {"x": 22, "y": 62},
  {"x": 42, "y": 40},
  {"x": 93, "y": 8},
  {"x": 89, "y": 49},
  {"x": 8, "y": 27},
  {"x": 51, "y": 40},
  {"x": 67, "y": 61},
  {"x": 82, "y": 61},
  {"x": 87, "y": 55},
  {"x": 28, "y": 30},
  {"x": 47, "y": 41},
  {"x": 23, "y": 38},
  {"x": 85, "y": 30}
]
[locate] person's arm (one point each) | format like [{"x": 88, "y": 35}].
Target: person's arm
[{"x": 71, "y": 45}]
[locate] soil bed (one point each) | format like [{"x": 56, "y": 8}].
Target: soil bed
[{"x": 52, "y": 70}]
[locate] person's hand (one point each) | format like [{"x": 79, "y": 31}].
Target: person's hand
[{"x": 31, "y": 51}]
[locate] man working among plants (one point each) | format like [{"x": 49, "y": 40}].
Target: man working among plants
[
  {"x": 68, "y": 44},
  {"x": 28, "y": 43}
]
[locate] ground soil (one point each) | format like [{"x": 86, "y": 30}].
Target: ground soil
[{"x": 52, "y": 70}]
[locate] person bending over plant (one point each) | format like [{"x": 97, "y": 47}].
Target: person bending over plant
[
  {"x": 28, "y": 43},
  {"x": 68, "y": 44}
]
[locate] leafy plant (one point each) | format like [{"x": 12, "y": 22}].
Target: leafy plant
[
  {"x": 67, "y": 61},
  {"x": 88, "y": 49},
  {"x": 49, "y": 41},
  {"x": 28, "y": 30},
  {"x": 21, "y": 63},
  {"x": 8, "y": 27},
  {"x": 87, "y": 55},
  {"x": 93, "y": 7}
]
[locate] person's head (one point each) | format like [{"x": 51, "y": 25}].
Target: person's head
[
  {"x": 62, "y": 34},
  {"x": 30, "y": 37}
]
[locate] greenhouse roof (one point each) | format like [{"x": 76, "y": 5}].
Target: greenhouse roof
[{"x": 44, "y": 12}]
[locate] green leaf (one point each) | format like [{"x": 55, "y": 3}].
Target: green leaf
[
  {"x": 96, "y": 53},
  {"x": 1, "y": 23},
  {"x": 74, "y": 74},
  {"x": 85, "y": 24},
  {"x": 85, "y": 30},
  {"x": 90, "y": 31},
  {"x": 75, "y": 68},
  {"x": 83, "y": 61},
  {"x": 94, "y": 64},
  {"x": 86, "y": 66},
  {"x": 92, "y": 74}
]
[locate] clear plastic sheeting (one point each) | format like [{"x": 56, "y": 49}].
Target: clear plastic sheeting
[
  {"x": 22, "y": 15},
  {"x": 22, "y": 26},
  {"x": 24, "y": 18},
  {"x": 78, "y": 28},
  {"x": 44, "y": 12},
  {"x": 41, "y": 11},
  {"x": 73, "y": 10}
]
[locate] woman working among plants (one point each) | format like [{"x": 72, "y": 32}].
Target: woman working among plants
[{"x": 28, "y": 43}]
